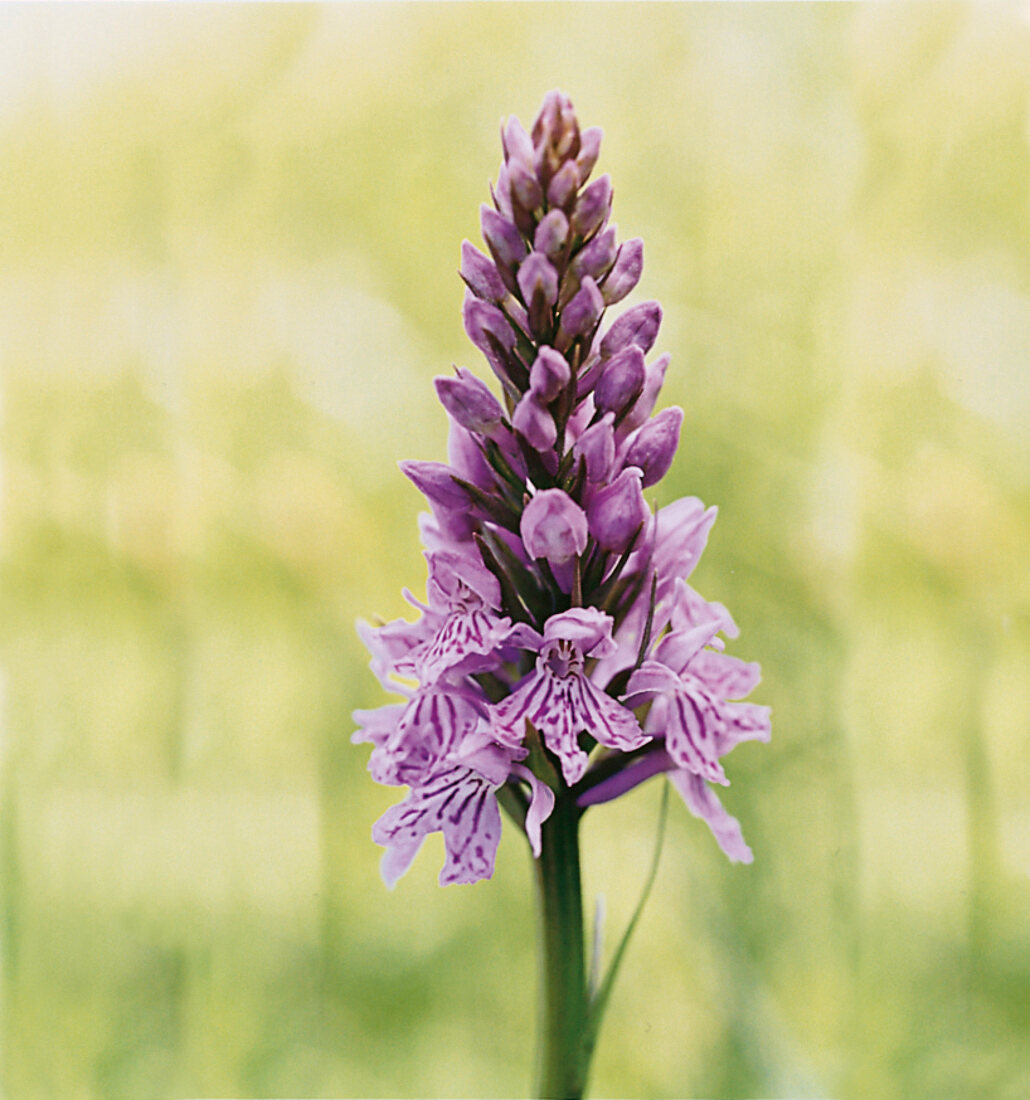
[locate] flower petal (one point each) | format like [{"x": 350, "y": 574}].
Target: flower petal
[
  {"x": 435, "y": 723},
  {"x": 587, "y": 627},
  {"x": 377, "y": 725},
  {"x": 680, "y": 647},
  {"x": 703, "y": 802},
  {"x": 692, "y": 728},
  {"x": 462, "y": 806},
  {"x": 464, "y": 642},
  {"x": 396, "y": 861},
  {"x": 725, "y": 676},
  {"x": 744, "y": 722},
  {"x": 541, "y": 803}
]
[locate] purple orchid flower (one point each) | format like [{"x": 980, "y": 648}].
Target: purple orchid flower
[
  {"x": 558, "y": 697},
  {"x": 559, "y": 658}
]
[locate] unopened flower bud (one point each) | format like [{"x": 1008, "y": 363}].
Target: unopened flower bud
[
  {"x": 638, "y": 326},
  {"x": 589, "y": 147},
  {"x": 525, "y": 187},
  {"x": 449, "y": 502},
  {"x": 555, "y": 134},
  {"x": 654, "y": 445},
  {"x": 488, "y": 329},
  {"x": 583, "y": 312},
  {"x": 549, "y": 375},
  {"x": 596, "y": 257},
  {"x": 535, "y": 423},
  {"x": 469, "y": 402},
  {"x": 592, "y": 208},
  {"x": 649, "y": 395},
  {"x": 502, "y": 193},
  {"x": 505, "y": 243},
  {"x": 435, "y": 481},
  {"x": 551, "y": 233},
  {"x": 526, "y": 195},
  {"x": 621, "y": 382},
  {"x": 554, "y": 527},
  {"x": 625, "y": 274},
  {"x": 516, "y": 142},
  {"x": 537, "y": 276},
  {"x": 466, "y": 457},
  {"x": 616, "y": 512},
  {"x": 562, "y": 187},
  {"x": 596, "y": 447},
  {"x": 480, "y": 274}
]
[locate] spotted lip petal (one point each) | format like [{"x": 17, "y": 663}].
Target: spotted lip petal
[
  {"x": 465, "y": 643},
  {"x": 436, "y": 723},
  {"x": 690, "y": 719},
  {"x": 704, "y": 803},
  {"x": 457, "y": 802},
  {"x": 559, "y": 699}
]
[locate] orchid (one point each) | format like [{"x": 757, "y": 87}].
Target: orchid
[{"x": 560, "y": 658}]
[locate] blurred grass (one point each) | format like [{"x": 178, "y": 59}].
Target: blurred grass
[{"x": 226, "y": 280}]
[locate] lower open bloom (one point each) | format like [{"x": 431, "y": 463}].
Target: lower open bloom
[
  {"x": 558, "y": 697},
  {"x": 457, "y": 799}
]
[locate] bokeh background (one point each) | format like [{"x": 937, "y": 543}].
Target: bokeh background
[{"x": 228, "y": 245}]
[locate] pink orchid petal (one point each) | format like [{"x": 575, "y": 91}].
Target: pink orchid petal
[
  {"x": 541, "y": 803},
  {"x": 702, "y": 802}
]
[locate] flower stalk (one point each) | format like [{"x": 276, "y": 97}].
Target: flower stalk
[{"x": 563, "y": 1051}]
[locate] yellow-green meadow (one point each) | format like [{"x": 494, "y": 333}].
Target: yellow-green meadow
[{"x": 229, "y": 240}]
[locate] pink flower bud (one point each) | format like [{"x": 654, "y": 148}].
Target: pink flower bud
[
  {"x": 504, "y": 241},
  {"x": 549, "y": 375},
  {"x": 563, "y": 186},
  {"x": 649, "y": 395},
  {"x": 516, "y": 142},
  {"x": 536, "y": 424},
  {"x": 537, "y": 276},
  {"x": 436, "y": 481},
  {"x": 466, "y": 457},
  {"x": 595, "y": 258},
  {"x": 449, "y": 502},
  {"x": 638, "y": 326},
  {"x": 589, "y": 147},
  {"x": 525, "y": 187},
  {"x": 584, "y": 311},
  {"x": 551, "y": 233},
  {"x": 616, "y": 512},
  {"x": 596, "y": 446},
  {"x": 480, "y": 275},
  {"x": 621, "y": 381},
  {"x": 502, "y": 194},
  {"x": 625, "y": 275},
  {"x": 488, "y": 328},
  {"x": 469, "y": 402},
  {"x": 654, "y": 445},
  {"x": 592, "y": 207},
  {"x": 554, "y": 527}
]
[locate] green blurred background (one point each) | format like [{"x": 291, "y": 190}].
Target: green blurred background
[{"x": 228, "y": 243}]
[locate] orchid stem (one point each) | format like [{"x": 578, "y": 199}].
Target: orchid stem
[{"x": 563, "y": 1052}]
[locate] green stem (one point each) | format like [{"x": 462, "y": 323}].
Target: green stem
[{"x": 564, "y": 1020}]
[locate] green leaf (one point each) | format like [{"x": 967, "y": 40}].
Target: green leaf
[{"x": 599, "y": 1000}]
